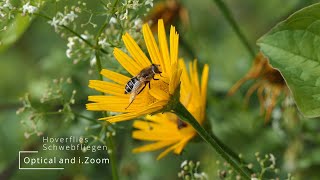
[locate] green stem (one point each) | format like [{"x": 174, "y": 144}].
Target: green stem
[
  {"x": 226, "y": 148},
  {"x": 105, "y": 24},
  {"x": 112, "y": 158},
  {"x": 98, "y": 64},
  {"x": 227, "y": 14},
  {"x": 84, "y": 117},
  {"x": 185, "y": 115},
  {"x": 109, "y": 139}
]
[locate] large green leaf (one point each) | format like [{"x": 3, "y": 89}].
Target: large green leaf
[
  {"x": 293, "y": 47},
  {"x": 15, "y": 29}
]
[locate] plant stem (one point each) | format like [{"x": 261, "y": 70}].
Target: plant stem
[
  {"x": 84, "y": 117},
  {"x": 98, "y": 64},
  {"x": 112, "y": 158},
  {"x": 227, "y": 14},
  {"x": 109, "y": 139},
  {"x": 185, "y": 115}
]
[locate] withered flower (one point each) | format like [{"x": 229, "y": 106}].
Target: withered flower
[
  {"x": 170, "y": 11},
  {"x": 269, "y": 85}
]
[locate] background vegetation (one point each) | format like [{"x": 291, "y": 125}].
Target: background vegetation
[{"x": 35, "y": 59}]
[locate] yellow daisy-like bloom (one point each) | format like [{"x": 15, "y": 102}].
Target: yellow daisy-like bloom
[
  {"x": 149, "y": 100},
  {"x": 165, "y": 129}
]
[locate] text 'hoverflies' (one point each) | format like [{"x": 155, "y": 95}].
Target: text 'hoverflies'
[{"x": 136, "y": 84}]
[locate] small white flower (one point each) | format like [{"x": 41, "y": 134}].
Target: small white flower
[
  {"x": 69, "y": 53},
  {"x": 124, "y": 16},
  {"x": 204, "y": 175},
  {"x": 27, "y": 8},
  {"x": 135, "y": 4},
  {"x": 113, "y": 20},
  {"x": 138, "y": 23},
  {"x": 7, "y": 4},
  {"x": 197, "y": 176},
  {"x": 93, "y": 61},
  {"x": 70, "y": 42},
  {"x": 71, "y": 16},
  {"x": 103, "y": 43},
  {"x": 201, "y": 176},
  {"x": 55, "y": 23},
  {"x": 149, "y": 2},
  {"x": 272, "y": 159},
  {"x": 67, "y": 18},
  {"x": 185, "y": 162},
  {"x": 276, "y": 113},
  {"x": 84, "y": 36}
]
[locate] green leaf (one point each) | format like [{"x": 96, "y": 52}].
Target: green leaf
[
  {"x": 16, "y": 28},
  {"x": 293, "y": 47}
]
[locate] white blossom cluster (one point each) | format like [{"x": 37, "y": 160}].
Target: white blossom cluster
[
  {"x": 190, "y": 170},
  {"x": 33, "y": 116},
  {"x": 5, "y": 8},
  {"x": 266, "y": 164},
  {"x": 78, "y": 50},
  {"x": 62, "y": 19},
  {"x": 29, "y": 9}
]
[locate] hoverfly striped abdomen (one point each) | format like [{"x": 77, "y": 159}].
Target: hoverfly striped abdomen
[{"x": 130, "y": 85}]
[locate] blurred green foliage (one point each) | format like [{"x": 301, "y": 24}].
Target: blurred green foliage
[{"x": 38, "y": 57}]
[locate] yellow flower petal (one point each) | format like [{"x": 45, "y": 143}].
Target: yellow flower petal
[
  {"x": 153, "y": 146},
  {"x": 108, "y": 99},
  {"x": 106, "y": 107},
  {"x": 135, "y": 51},
  {"x": 175, "y": 79},
  {"x": 174, "y": 45},
  {"x": 146, "y": 126},
  {"x": 164, "y": 153},
  {"x": 164, "y": 47},
  {"x": 194, "y": 76},
  {"x": 152, "y": 45},
  {"x": 182, "y": 144},
  {"x": 159, "y": 94},
  {"x": 107, "y": 87},
  {"x": 131, "y": 115},
  {"x": 204, "y": 84},
  {"x": 151, "y": 136},
  {"x": 116, "y": 77},
  {"x": 129, "y": 64}
]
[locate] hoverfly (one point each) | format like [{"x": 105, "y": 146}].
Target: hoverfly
[{"x": 136, "y": 84}]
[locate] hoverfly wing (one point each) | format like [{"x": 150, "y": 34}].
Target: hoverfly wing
[{"x": 134, "y": 92}]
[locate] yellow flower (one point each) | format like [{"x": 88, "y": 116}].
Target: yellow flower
[
  {"x": 151, "y": 99},
  {"x": 165, "y": 129}
]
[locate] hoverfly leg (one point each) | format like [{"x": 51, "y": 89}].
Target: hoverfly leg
[
  {"x": 143, "y": 88},
  {"x": 129, "y": 104}
]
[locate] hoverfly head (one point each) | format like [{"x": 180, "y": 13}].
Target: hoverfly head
[{"x": 156, "y": 68}]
